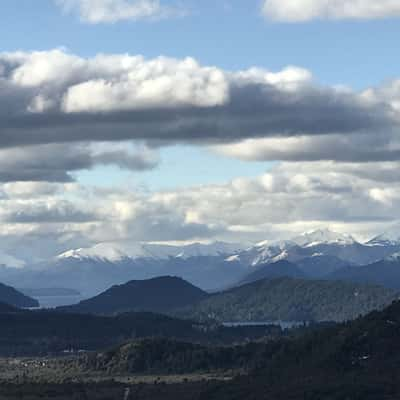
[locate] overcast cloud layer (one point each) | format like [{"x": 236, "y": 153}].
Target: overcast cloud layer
[{"x": 306, "y": 10}]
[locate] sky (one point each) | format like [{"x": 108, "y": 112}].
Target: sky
[{"x": 182, "y": 121}]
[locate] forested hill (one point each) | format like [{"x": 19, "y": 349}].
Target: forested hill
[
  {"x": 13, "y": 297},
  {"x": 288, "y": 299},
  {"x": 358, "y": 360},
  {"x": 155, "y": 295}
]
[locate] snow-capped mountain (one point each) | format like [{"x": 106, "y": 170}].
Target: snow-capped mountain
[
  {"x": 104, "y": 252},
  {"x": 393, "y": 257},
  {"x": 116, "y": 252},
  {"x": 389, "y": 238},
  {"x": 308, "y": 244},
  {"x": 210, "y": 266},
  {"x": 323, "y": 236},
  {"x": 319, "y": 252}
]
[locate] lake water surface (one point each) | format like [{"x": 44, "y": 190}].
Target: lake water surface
[
  {"x": 57, "y": 301},
  {"x": 282, "y": 324}
]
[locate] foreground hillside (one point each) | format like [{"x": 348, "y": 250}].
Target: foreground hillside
[
  {"x": 165, "y": 356},
  {"x": 42, "y": 333},
  {"x": 46, "y": 332},
  {"x": 288, "y": 299},
  {"x": 357, "y": 361}
]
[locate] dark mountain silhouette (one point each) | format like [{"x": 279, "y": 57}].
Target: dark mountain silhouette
[
  {"x": 156, "y": 295},
  {"x": 319, "y": 266},
  {"x": 13, "y": 297},
  {"x": 385, "y": 273},
  {"x": 275, "y": 270}
]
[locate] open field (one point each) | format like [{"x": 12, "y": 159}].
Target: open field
[{"x": 67, "y": 370}]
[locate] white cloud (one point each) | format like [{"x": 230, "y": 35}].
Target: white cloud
[
  {"x": 288, "y": 199},
  {"x": 306, "y": 10},
  {"x": 60, "y": 81},
  {"x": 111, "y": 11},
  {"x": 382, "y": 145},
  {"x": 57, "y": 97},
  {"x": 56, "y": 162}
]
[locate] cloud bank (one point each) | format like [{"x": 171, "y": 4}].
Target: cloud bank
[
  {"x": 290, "y": 198},
  {"x": 306, "y": 10},
  {"x": 55, "y": 97}
]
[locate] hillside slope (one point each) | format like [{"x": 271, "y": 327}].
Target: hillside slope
[
  {"x": 13, "y": 297},
  {"x": 155, "y": 295},
  {"x": 357, "y": 361},
  {"x": 275, "y": 270},
  {"x": 385, "y": 273},
  {"x": 289, "y": 299}
]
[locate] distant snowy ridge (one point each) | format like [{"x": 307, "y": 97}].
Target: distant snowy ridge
[
  {"x": 389, "y": 238},
  {"x": 268, "y": 251},
  {"x": 114, "y": 252},
  {"x": 323, "y": 236}
]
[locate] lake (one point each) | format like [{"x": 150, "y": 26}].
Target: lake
[
  {"x": 57, "y": 301},
  {"x": 282, "y": 324}
]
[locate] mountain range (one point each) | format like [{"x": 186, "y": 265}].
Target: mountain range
[
  {"x": 270, "y": 299},
  {"x": 321, "y": 254}
]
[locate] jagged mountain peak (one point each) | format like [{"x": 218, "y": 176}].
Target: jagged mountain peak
[
  {"x": 104, "y": 251},
  {"x": 114, "y": 252},
  {"x": 323, "y": 236},
  {"x": 389, "y": 237}
]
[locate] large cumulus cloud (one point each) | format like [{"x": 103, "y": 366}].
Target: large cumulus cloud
[{"x": 53, "y": 97}]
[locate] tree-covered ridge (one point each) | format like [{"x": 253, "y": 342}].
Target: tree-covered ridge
[
  {"x": 166, "y": 356},
  {"x": 289, "y": 299},
  {"x": 358, "y": 360}
]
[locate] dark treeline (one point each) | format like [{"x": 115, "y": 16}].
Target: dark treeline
[{"x": 39, "y": 333}]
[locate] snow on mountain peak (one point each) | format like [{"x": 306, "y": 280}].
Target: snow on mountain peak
[
  {"x": 393, "y": 258},
  {"x": 322, "y": 236},
  {"x": 115, "y": 252},
  {"x": 390, "y": 237},
  {"x": 101, "y": 251}
]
